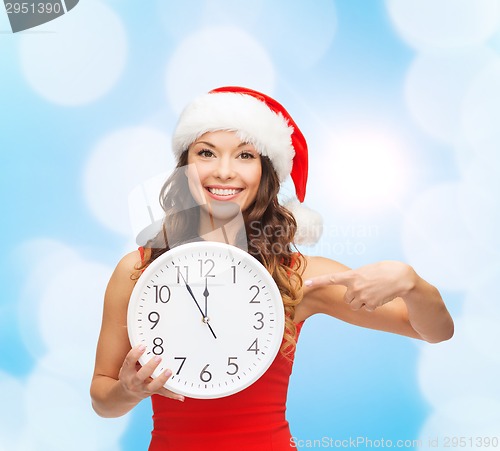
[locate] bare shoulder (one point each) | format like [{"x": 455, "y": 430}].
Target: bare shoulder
[
  {"x": 317, "y": 266},
  {"x": 129, "y": 264},
  {"x": 124, "y": 277}
]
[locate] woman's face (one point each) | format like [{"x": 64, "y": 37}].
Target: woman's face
[{"x": 223, "y": 171}]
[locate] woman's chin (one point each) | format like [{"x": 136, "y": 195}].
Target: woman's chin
[{"x": 222, "y": 210}]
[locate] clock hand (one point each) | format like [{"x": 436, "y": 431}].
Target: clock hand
[
  {"x": 206, "y": 294},
  {"x": 205, "y": 318},
  {"x": 192, "y": 295}
]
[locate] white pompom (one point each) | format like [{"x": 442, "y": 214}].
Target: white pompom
[{"x": 309, "y": 223}]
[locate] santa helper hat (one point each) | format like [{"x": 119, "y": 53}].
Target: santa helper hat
[{"x": 263, "y": 122}]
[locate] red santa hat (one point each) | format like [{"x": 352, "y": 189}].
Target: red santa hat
[{"x": 260, "y": 120}]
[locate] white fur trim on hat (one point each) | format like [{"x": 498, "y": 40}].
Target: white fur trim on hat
[
  {"x": 252, "y": 120},
  {"x": 309, "y": 223}
]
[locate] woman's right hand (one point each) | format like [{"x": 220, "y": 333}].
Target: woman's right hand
[{"x": 136, "y": 379}]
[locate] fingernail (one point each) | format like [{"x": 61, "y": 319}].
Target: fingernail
[
  {"x": 181, "y": 399},
  {"x": 141, "y": 348},
  {"x": 308, "y": 283},
  {"x": 157, "y": 359}
]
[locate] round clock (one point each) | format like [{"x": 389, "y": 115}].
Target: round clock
[{"x": 213, "y": 313}]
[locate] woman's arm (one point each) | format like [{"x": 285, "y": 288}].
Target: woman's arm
[
  {"x": 387, "y": 296},
  {"x": 119, "y": 383}
]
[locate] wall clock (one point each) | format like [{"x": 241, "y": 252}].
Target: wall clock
[{"x": 213, "y": 313}]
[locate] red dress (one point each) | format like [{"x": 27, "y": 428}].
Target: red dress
[{"x": 253, "y": 419}]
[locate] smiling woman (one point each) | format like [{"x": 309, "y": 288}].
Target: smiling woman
[{"x": 234, "y": 148}]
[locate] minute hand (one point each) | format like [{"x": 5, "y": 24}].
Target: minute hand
[{"x": 205, "y": 319}]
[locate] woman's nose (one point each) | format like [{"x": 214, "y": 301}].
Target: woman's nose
[{"x": 224, "y": 169}]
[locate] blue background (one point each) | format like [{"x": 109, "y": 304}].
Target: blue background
[{"x": 343, "y": 69}]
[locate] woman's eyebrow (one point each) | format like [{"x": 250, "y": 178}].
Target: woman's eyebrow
[
  {"x": 215, "y": 147},
  {"x": 206, "y": 143}
]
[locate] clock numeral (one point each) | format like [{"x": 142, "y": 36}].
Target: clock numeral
[
  {"x": 158, "y": 348},
  {"x": 161, "y": 295},
  {"x": 154, "y": 317},
  {"x": 234, "y": 273},
  {"x": 259, "y": 320},
  {"x": 229, "y": 363},
  {"x": 254, "y": 347},
  {"x": 253, "y": 301},
  {"x": 183, "y": 276},
  {"x": 205, "y": 375},
  {"x": 182, "y": 364},
  {"x": 207, "y": 265}
]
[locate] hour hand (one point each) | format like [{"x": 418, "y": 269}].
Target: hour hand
[{"x": 206, "y": 294}]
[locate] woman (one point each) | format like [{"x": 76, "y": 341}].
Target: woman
[{"x": 234, "y": 147}]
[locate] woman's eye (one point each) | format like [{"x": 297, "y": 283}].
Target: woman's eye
[
  {"x": 246, "y": 155},
  {"x": 205, "y": 153}
]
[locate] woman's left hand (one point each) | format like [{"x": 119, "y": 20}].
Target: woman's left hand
[{"x": 370, "y": 286}]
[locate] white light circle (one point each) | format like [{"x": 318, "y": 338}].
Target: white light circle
[
  {"x": 479, "y": 203},
  {"x": 72, "y": 362},
  {"x": 71, "y": 305},
  {"x": 448, "y": 370},
  {"x": 465, "y": 422},
  {"x": 494, "y": 42},
  {"x": 60, "y": 416},
  {"x": 298, "y": 32},
  {"x": 35, "y": 257},
  {"x": 178, "y": 17},
  {"x": 117, "y": 164},
  {"x": 482, "y": 332},
  {"x": 478, "y": 299},
  {"x": 365, "y": 169},
  {"x": 182, "y": 18},
  {"x": 481, "y": 110},
  {"x": 12, "y": 415},
  {"x": 80, "y": 56},
  {"x": 214, "y": 57},
  {"x": 444, "y": 24},
  {"x": 436, "y": 85},
  {"x": 437, "y": 241}
]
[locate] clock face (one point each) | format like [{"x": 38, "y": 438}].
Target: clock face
[{"x": 213, "y": 313}]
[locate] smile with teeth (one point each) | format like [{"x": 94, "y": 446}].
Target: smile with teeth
[{"x": 224, "y": 191}]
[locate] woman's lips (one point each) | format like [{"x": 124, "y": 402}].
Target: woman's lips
[{"x": 223, "y": 193}]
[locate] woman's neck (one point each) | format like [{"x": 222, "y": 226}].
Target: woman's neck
[{"x": 223, "y": 230}]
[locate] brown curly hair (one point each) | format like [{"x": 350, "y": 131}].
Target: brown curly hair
[{"x": 269, "y": 227}]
